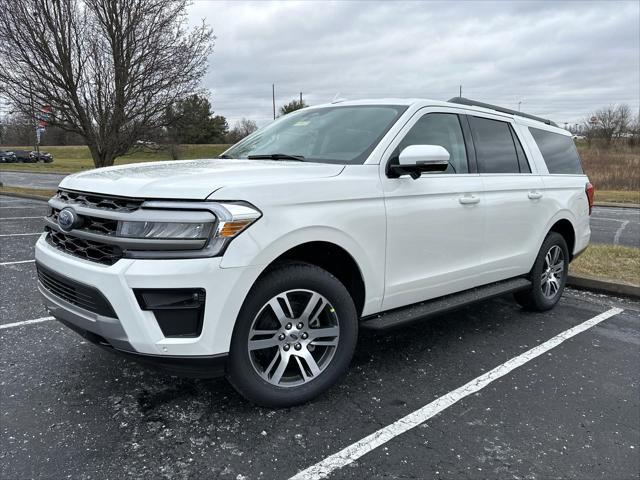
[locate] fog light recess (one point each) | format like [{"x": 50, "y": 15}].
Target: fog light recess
[{"x": 179, "y": 312}]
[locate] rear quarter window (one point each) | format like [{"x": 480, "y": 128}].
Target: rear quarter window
[{"x": 559, "y": 152}]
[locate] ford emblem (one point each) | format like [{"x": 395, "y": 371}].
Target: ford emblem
[{"x": 68, "y": 219}]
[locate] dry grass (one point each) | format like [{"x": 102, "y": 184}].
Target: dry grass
[
  {"x": 614, "y": 168},
  {"x": 610, "y": 262},
  {"x": 617, "y": 196},
  {"x": 74, "y": 158},
  {"x": 40, "y": 192}
]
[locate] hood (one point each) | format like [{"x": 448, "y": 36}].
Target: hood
[{"x": 191, "y": 179}]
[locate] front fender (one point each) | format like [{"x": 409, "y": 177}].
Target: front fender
[{"x": 248, "y": 250}]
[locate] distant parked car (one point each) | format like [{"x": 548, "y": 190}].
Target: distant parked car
[
  {"x": 7, "y": 157},
  {"x": 23, "y": 156},
  {"x": 44, "y": 157},
  {"x": 31, "y": 156}
]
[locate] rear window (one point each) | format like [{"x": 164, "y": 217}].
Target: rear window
[
  {"x": 559, "y": 152},
  {"x": 495, "y": 148}
]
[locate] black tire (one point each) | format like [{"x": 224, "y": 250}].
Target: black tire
[
  {"x": 290, "y": 277},
  {"x": 535, "y": 299}
]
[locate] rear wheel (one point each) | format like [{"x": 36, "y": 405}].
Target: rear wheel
[
  {"x": 294, "y": 337},
  {"x": 548, "y": 276}
]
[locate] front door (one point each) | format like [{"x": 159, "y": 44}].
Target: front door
[{"x": 435, "y": 224}]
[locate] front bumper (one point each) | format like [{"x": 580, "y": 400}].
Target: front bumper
[{"x": 136, "y": 331}]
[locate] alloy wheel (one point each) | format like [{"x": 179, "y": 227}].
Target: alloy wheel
[
  {"x": 552, "y": 272},
  {"x": 293, "y": 338}
]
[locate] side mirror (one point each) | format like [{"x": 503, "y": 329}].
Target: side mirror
[{"x": 417, "y": 159}]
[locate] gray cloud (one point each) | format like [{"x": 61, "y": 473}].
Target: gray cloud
[{"x": 561, "y": 59}]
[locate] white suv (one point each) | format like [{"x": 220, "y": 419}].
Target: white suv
[{"x": 264, "y": 263}]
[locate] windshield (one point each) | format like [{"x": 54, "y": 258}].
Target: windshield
[{"x": 344, "y": 135}]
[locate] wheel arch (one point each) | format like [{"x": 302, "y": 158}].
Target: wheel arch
[
  {"x": 565, "y": 228},
  {"x": 331, "y": 257}
]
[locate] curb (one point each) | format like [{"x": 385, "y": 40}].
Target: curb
[
  {"x": 616, "y": 205},
  {"x": 25, "y": 195},
  {"x": 603, "y": 286}
]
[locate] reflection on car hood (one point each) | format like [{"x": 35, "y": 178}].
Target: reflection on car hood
[{"x": 191, "y": 179}]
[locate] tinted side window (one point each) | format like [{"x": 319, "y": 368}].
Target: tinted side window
[
  {"x": 522, "y": 158},
  {"x": 495, "y": 150},
  {"x": 439, "y": 129},
  {"x": 559, "y": 152}
]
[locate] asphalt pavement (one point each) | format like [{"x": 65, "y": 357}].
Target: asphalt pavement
[
  {"x": 72, "y": 410},
  {"x": 49, "y": 181},
  {"x": 618, "y": 226}
]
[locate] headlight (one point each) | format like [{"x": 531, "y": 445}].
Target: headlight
[
  {"x": 164, "y": 230},
  {"x": 231, "y": 219}
]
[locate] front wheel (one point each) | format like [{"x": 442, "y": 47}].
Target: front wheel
[
  {"x": 294, "y": 337},
  {"x": 548, "y": 275}
]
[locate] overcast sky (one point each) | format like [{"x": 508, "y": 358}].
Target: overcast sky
[{"x": 560, "y": 59}]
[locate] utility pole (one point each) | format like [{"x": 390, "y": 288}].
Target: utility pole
[
  {"x": 519, "y": 103},
  {"x": 273, "y": 99},
  {"x": 300, "y": 98},
  {"x": 35, "y": 121},
  {"x": 460, "y": 94}
]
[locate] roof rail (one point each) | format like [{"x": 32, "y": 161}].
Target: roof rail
[{"x": 473, "y": 103}]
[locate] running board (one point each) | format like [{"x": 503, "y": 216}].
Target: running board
[{"x": 431, "y": 308}]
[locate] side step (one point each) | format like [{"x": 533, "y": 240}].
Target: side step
[{"x": 431, "y": 308}]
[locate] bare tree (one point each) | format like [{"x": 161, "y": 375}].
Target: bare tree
[
  {"x": 108, "y": 68},
  {"x": 612, "y": 121},
  {"x": 590, "y": 129},
  {"x": 241, "y": 129}
]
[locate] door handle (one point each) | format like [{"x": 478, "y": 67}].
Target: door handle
[
  {"x": 469, "y": 200},
  {"x": 534, "y": 195}
]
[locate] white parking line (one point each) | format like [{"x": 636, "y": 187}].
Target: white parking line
[
  {"x": 19, "y": 218},
  {"x": 16, "y": 263},
  {"x": 25, "y": 322},
  {"x": 353, "y": 452},
  {"x": 19, "y": 234},
  {"x": 30, "y": 206},
  {"x": 606, "y": 218},
  {"x": 616, "y": 238}
]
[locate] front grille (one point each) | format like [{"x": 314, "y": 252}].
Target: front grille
[
  {"x": 87, "y": 249},
  {"x": 103, "y": 202},
  {"x": 102, "y": 226},
  {"x": 75, "y": 293}
]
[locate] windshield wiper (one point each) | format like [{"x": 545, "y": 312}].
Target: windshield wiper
[
  {"x": 224, "y": 156},
  {"x": 276, "y": 156}
]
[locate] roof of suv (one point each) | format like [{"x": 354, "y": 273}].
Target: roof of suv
[{"x": 425, "y": 102}]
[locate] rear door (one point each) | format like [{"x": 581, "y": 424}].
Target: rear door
[
  {"x": 513, "y": 192},
  {"x": 435, "y": 224}
]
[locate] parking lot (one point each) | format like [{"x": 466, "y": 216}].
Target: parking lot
[{"x": 570, "y": 409}]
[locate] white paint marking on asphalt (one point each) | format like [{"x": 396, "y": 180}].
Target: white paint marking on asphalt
[
  {"x": 25, "y": 322},
  {"x": 607, "y": 218},
  {"x": 16, "y": 263},
  {"x": 4, "y": 200},
  {"x": 19, "y": 234},
  {"x": 616, "y": 238},
  {"x": 19, "y": 218},
  {"x": 356, "y": 450},
  {"x": 31, "y": 206}
]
